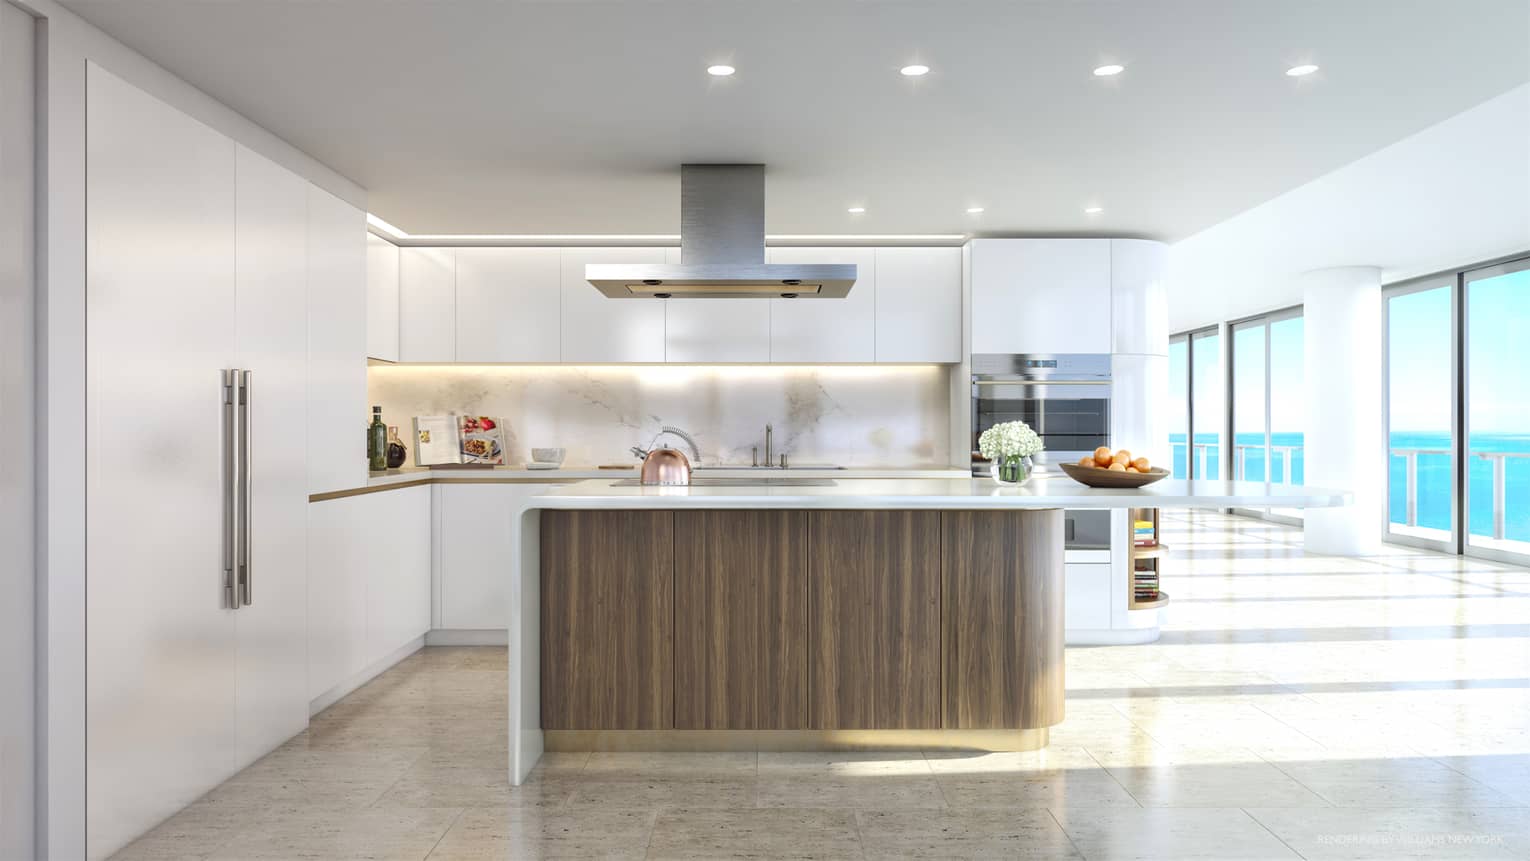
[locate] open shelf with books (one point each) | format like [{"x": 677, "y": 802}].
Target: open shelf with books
[{"x": 1147, "y": 556}]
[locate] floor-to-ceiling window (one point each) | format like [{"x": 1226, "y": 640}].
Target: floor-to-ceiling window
[
  {"x": 1268, "y": 400},
  {"x": 1458, "y": 416},
  {"x": 1421, "y": 397},
  {"x": 1179, "y": 406},
  {"x": 1497, "y": 421},
  {"x": 1208, "y": 403}
]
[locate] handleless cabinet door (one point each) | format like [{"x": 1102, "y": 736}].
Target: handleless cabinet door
[
  {"x": 337, "y": 343},
  {"x": 271, "y": 249},
  {"x": 159, "y": 323},
  {"x": 1041, "y": 296},
  {"x": 599, "y": 329},
  {"x": 508, "y": 304},
  {"x": 382, "y": 299},
  {"x": 826, "y": 330},
  {"x": 338, "y": 531},
  {"x": 919, "y": 304},
  {"x": 1139, "y": 302},
  {"x": 427, "y": 305},
  {"x": 397, "y": 572},
  {"x": 608, "y": 592},
  {"x": 741, "y": 626},
  {"x": 874, "y": 620},
  {"x": 715, "y": 330},
  {"x": 474, "y": 544}
]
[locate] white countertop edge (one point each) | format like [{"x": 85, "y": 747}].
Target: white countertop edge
[
  {"x": 968, "y": 493},
  {"x": 566, "y": 475}
]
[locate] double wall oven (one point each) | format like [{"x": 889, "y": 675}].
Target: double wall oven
[{"x": 1065, "y": 398}]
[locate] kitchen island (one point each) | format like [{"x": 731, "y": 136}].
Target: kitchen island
[{"x": 783, "y": 614}]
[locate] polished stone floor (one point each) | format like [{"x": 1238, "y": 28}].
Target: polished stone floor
[{"x": 1296, "y": 706}]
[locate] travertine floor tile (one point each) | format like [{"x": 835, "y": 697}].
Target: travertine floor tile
[
  {"x": 369, "y": 834},
  {"x": 514, "y": 835},
  {"x": 758, "y": 833},
  {"x": 837, "y": 791},
  {"x": 1396, "y": 833},
  {"x": 963, "y": 834},
  {"x": 1083, "y": 789},
  {"x": 1214, "y": 834}
]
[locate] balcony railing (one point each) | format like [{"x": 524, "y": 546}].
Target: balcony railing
[
  {"x": 1286, "y": 452},
  {"x": 1499, "y": 460}
]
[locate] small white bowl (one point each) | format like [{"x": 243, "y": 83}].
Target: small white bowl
[{"x": 547, "y": 455}]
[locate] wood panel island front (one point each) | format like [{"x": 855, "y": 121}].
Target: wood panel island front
[{"x": 861, "y": 614}]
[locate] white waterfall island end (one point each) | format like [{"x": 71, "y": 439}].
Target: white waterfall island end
[{"x": 652, "y": 601}]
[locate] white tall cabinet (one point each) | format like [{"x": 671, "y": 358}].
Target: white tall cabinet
[
  {"x": 337, "y": 343},
  {"x": 382, "y": 299},
  {"x": 1041, "y": 296},
  {"x": 918, "y": 304},
  {"x": 199, "y": 258}
]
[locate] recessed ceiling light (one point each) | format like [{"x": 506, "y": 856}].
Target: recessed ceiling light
[
  {"x": 1302, "y": 70},
  {"x": 974, "y": 210},
  {"x": 721, "y": 70},
  {"x": 1108, "y": 70},
  {"x": 856, "y": 210},
  {"x": 915, "y": 70},
  {"x": 1093, "y": 210}
]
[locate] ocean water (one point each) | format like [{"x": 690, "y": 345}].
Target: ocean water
[{"x": 1434, "y": 476}]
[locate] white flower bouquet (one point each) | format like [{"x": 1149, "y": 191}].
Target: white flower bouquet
[{"x": 1008, "y": 444}]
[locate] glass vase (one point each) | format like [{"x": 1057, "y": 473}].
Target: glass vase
[{"x": 1012, "y": 470}]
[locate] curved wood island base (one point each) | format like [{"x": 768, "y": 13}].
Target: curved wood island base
[
  {"x": 800, "y": 630},
  {"x": 856, "y": 614}
]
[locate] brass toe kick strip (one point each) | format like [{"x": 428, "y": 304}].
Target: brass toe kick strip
[{"x": 558, "y": 740}]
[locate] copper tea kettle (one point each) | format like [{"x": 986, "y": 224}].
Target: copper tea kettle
[{"x": 663, "y": 465}]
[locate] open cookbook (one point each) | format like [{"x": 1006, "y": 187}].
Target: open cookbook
[{"x": 458, "y": 441}]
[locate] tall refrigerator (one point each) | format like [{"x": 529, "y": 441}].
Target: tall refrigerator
[{"x": 196, "y": 500}]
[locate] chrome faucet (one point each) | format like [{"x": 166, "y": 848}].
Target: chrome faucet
[{"x": 768, "y": 432}]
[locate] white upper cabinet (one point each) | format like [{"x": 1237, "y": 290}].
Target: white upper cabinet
[
  {"x": 918, "y": 304},
  {"x": 1041, "y": 296},
  {"x": 1139, "y": 303},
  {"x": 508, "y": 305},
  {"x": 598, "y": 329},
  {"x": 715, "y": 330},
  {"x": 826, "y": 330},
  {"x": 337, "y": 343},
  {"x": 382, "y": 299},
  {"x": 427, "y": 304}
]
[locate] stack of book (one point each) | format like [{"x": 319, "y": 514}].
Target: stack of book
[
  {"x": 1144, "y": 534},
  {"x": 1145, "y": 580}
]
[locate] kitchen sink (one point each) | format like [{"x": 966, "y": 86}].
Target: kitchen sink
[{"x": 748, "y": 481}]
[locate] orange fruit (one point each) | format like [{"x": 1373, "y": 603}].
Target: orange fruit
[
  {"x": 1118, "y": 467},
  {"x": 1141, "y": 464},
  {"x": 1086, "y": 460},
  {"x": 1132, "y": 469},
  {"x": 1123, "y": 457},
  {"x": 1102, "y": 456}
]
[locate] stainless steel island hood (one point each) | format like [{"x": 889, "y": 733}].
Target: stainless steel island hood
[{"x": 722, "y": 241}]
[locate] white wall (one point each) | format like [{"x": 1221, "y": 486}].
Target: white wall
[
  {"x": 17, "y": 310},
  {"x": 67, "y": 43},
  {"x": 1455, "y": 193}
]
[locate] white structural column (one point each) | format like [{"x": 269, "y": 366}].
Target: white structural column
[{"x": 1345, "y": 436}]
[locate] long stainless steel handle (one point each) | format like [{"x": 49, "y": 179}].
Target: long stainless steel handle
[
  {"x": 230, "y": 489},
  {"x": 245, "y": 496},
  {"x": 977, "y": 382}
]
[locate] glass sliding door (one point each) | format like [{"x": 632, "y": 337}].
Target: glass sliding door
[
  {"x": 1179, "y": 406},
  {"x": 1421, "y": 412},
  {"x": 1208, "y": 404},
  {"x": 1288, "y": 399},
  {"x": 1496, "y": 425}
]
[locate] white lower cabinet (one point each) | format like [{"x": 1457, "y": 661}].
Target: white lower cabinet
[
  {"x": 1087, "y": 596},
  {"x": 474, "y": 542},
  {"x": 368, "y": 582}
]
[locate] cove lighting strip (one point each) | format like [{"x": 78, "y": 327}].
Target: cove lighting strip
[{"x": 391, "y": 232}]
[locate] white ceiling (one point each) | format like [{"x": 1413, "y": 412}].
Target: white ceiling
[{"x": 495, "y": 116}]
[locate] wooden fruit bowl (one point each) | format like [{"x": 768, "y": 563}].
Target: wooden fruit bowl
[{"x": 1096, "y": 477}]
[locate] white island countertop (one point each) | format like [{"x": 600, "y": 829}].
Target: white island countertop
[{"x": 952, "y": 493}]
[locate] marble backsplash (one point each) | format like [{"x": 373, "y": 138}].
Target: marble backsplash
[{"x": 861, "y": 416}]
